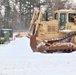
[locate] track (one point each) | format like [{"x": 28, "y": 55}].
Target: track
[
  {"x": 69, "y": 35},
  {"x": 61, "y": 47}
]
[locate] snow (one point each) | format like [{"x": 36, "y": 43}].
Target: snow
[{"x": 17, "y": 58}]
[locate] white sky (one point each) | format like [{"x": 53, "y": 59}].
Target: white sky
[{"x": 74, "y": 0}]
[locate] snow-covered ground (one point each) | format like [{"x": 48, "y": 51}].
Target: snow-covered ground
[{"x": 17, "y": 58}]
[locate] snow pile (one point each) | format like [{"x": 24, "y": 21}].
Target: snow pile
[{"x": 17, "y": 58}]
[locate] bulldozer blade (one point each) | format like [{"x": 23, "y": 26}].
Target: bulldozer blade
[{"x": 33, "y": 44}]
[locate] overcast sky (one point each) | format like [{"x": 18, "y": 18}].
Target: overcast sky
[{"x": 74, "y": 0}]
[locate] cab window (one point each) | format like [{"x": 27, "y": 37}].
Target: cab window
[
  {"x": 62, "y": 20},
  {"x": 56, "y": 16},
  {"x": 71, "y": 17}
]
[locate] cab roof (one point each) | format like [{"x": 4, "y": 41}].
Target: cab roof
[{"x": 66, "y": 10}]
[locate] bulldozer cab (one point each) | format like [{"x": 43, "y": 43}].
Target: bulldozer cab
[{"x": 65, "y": 18}]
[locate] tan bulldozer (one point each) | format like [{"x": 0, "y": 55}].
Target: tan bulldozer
[{"x": 58, "y": 34}]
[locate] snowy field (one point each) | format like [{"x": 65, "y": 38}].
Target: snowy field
[{"x": 17, "y": 58}]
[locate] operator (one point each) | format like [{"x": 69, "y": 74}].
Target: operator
[{"x": 75, "y": 20}]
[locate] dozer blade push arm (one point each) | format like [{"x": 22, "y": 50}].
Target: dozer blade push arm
[
  {"x": 34, "y": 17},
  {"x": 41, "y": 12}
]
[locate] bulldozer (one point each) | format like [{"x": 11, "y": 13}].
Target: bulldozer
[
  {"x": 57, "y": 34},
  {"x": 53, "y": 34}
]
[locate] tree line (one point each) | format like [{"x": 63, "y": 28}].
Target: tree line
[{"x": 16, "y": 14}]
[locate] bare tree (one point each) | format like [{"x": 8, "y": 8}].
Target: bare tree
[
  {"x": 18, "y": 13},
  {"x": 53, "y": 5}
]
